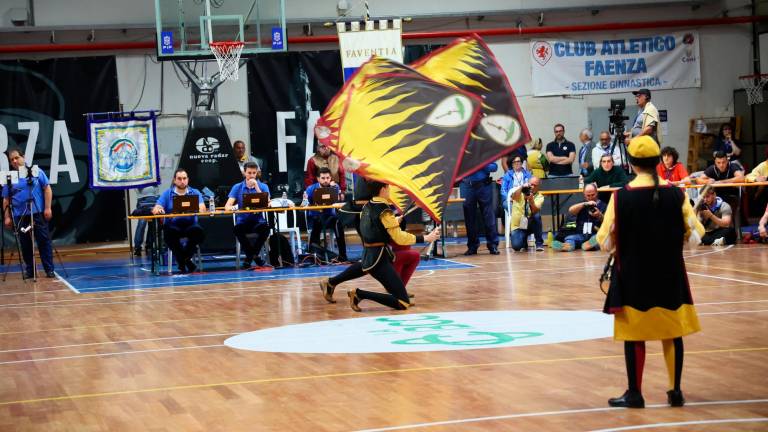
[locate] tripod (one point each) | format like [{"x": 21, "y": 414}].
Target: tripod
[
  {"x": 617, "y": 130},
  {"x": 14, "y": 229}
]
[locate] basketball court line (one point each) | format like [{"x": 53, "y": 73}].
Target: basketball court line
[
  {"x": 554, "y": 413},
  {"x": 684, "y": 423},
  {"x": 728, "y": 279},
  {"x": 333, "y": 375},
  {"x": 111, "y": 342},
  {"x": 67, "y": 284}
]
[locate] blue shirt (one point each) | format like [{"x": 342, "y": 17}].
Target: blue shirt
[
  {"x": 237, "y": 193},
  {"x": 310, "y": 191},
  {"x": 513, "y": 179},
  {"x": 481, "y": 174},
  {"x": 21, "y": 193},
  {"x": 166, "y": 201}
]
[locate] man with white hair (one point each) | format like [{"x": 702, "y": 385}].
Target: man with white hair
[{"x": 585, "y": 152}]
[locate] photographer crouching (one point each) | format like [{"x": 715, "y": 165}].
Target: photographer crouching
[
  {"x": 583, "y": 222},
  {"x": 717, "y": 217},
  {"x": 526, "y": 216}
]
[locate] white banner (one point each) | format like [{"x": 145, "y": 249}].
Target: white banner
[
  {"x": 358, "y": 45},
  {"x": 123, "y": 153},
  {"x": 590, "y": 66}
]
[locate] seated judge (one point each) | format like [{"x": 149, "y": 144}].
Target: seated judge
[
  {"x": 320, "y": 220},
  {"x": 249, "y": 223},
  {"x": 177, "y": 229}
]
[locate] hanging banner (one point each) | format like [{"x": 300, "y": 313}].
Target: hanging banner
[
  {"x": 123, "y": 153},
  {"x": 358, "y": 45},
  {"x": 41, "y": 111},
  {"x": 592, "y": 66}
]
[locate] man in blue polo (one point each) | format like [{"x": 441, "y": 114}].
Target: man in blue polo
[
  {"x": 16, "y": 204},
  {"x": 178, "y": 228},
  {"x": 249, "y": 223},
  {"x": 477, "y": 189},
  {"x": 320, "y": 220}
]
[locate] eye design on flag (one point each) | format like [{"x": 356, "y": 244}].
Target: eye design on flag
[
  {"x": 503, "y": 129},
  {"x": 455, "y": 110},
  {"x": 322, "y": 132}
]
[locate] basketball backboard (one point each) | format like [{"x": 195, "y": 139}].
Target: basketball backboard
[{"x": 186, "y": 27}]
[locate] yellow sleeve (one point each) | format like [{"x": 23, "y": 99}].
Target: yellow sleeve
[
  {"x": 757, "y": 171},
  {"x": 539, "y": 200},
  {"x": 397, "y": 235},
  {"x": 605, "y": 236},
  {"x": 692, "y": 224}
]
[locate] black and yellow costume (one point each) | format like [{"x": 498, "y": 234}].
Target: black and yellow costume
[
  {"x": 645, "y": 225},
  {"x": 378, "y": 226}
]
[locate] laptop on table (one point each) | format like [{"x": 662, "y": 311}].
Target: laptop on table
[
  {"x": 255, "y": 201},
  {"x": 186, "y": 204},
  {"x": 325, "y": 196}
]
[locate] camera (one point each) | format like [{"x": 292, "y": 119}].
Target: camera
[
  {"x": 701, "y": 206},
  {"x": 590, "y": 207},
  {"x": 617, "y": 116},
  {"x": 526, "y": 190}
]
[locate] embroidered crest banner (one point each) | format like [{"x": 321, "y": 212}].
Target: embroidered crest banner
[{"x": 123, "y": 152}]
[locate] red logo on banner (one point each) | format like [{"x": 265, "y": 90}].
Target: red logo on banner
[{"x": 542, "y": 52}]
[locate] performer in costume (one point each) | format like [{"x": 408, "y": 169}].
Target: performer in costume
[
  {"x": 378, "y": 226},
  {"x": 645, "y": 226}
]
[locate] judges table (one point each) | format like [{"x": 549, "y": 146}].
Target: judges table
[
  {"x": 156, "y": 259},
  {"x": 554, "y": 196}
]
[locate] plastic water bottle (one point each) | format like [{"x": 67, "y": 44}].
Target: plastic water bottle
[
  {"x": 284, "y": 199},
  {"x": 304, "y": 200},
  {"x": 581, "y": 182},
  {"x": 531, "y": 242},
  {"x": 211, "y": 205}
]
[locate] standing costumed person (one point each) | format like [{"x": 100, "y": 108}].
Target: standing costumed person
[{"x": 645, "y": 226}]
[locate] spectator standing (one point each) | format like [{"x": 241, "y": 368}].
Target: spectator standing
[{"x": 560, "y": 153}]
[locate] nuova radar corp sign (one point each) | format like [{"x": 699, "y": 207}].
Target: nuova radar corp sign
[{"x": 438, "y": 331}]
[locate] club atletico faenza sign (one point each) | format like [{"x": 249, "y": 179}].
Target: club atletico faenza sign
[
  {"x": 659, "y": 61},
  {"x": 434, "y": 331}
]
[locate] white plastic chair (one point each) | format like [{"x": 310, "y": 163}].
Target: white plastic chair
[{"x": 293, "y": 231}]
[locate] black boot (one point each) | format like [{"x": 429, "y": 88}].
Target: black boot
[
  {"x": 675, "y": 398},
  {"x": 630, "y": 399}
]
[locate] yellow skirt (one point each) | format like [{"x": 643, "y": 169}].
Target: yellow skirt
[{"x": 655, "y": 324}]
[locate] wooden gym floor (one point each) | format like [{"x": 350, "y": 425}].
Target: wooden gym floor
[{"x": 154, "y": 360}]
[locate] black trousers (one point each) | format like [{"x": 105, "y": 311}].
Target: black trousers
[
  {"x": 321, "y": 223},
  {"x": 397, "y": 297},
  {"x": 251, "y": 226},
  {"x": 729, "y": 234},
  {"x": 174, "y": 233}
]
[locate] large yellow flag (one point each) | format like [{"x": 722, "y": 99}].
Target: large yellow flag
[
  {"x": 409, "y": 132},
  {"x": 468, "y": 64}
]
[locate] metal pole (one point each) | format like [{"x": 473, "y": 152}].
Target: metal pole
[
  {"x": 128, "y": 222},
  {"x": 755, "y": 70}
]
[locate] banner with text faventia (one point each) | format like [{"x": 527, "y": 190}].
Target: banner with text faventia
[
  {"x": 123, "y": 150},
  {"x": 614, "y": 65},
  {"x": 382, "y": 38}
]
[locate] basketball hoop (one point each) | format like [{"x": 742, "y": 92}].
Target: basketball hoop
[
  {"x": 228, "y": 57},
  {"x": 753, "y": 85}
]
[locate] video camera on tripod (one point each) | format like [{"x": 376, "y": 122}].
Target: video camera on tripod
[{"x": 616, "y": 129}]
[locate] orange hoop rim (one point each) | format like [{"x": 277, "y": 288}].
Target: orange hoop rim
[
  {"x": 753, "y": 76},
  {"x": 229, "y": 44}
]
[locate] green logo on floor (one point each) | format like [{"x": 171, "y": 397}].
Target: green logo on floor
[{"x": 441, "y": 331}]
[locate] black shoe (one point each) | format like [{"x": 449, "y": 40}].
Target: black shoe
[
  {"x": 50, "y": 274},
  {"x": 630, "y": 399},
  {"x": 28, "y": 275},
  {"x": 182, "y": 268},
  {"x": 246, "y": 264},
  {"x": 493, "y": 250},
  {"x": 327, "y": 289},
  {"x": 191, "y": 267},
  {"x": 470, "y": 252},
  {"x": 137, "y": 252},
  {"x": 259, "y": 262},
  {"x": 675, "y": 398}
]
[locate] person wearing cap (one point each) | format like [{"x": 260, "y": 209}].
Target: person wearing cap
[
  {"x": 238, "y": 150},
  {"x": 249, "y": 223},
  {"x": 644, "y": 227},
  {"x": 647, "y": 120}
]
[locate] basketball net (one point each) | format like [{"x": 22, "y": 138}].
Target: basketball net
[
  {"x": 753, "y": 85},
  {"x": 228, "y": 58}
]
